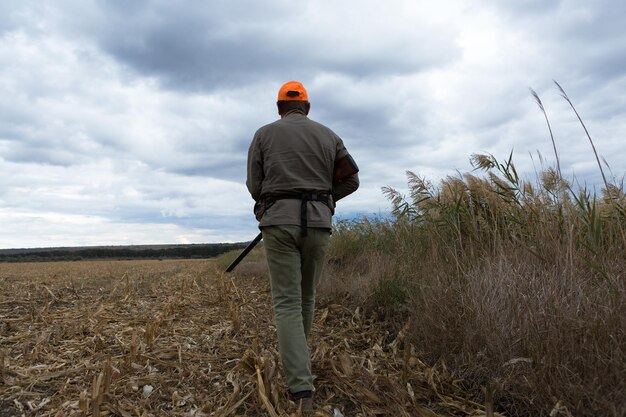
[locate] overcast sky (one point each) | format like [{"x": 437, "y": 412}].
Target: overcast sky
[{"x": 128, "y": 122}]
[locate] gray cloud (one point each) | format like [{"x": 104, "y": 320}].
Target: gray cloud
[
  {"x": 117, "y": 116},
  {"x": 12, "y": 14},
  {"x": 193, "y": 46},
  {"x": 582, "y": 38}
]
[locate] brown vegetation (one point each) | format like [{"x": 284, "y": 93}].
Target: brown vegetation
[
  {"x": 181, "y": 338},
  {"x": 519, "y": 288}
]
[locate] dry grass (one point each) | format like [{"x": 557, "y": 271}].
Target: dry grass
[
  {"x": 180, "y": 338},
  {"x": 519, "y": 287}
]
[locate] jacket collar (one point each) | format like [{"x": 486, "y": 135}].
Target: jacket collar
[{"x": 294, "y": 112}]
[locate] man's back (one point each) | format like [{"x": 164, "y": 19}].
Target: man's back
[
  {"x": 293, "y": 155},
  {"x": 298, "y": 155}
]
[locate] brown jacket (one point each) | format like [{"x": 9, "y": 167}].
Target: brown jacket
[{"x": 292, "y": 155}]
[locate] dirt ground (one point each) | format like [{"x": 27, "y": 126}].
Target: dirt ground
[{"x": 181, "y": 338}]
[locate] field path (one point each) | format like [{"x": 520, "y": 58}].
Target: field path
[{"x": 181, "y": 338}]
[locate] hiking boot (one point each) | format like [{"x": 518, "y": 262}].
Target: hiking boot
[
  {"x": 304, "y": 400},
  {"x": 306, "y": 405}
]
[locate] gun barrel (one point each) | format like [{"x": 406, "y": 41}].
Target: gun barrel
[{"x": 243, "y": 254}]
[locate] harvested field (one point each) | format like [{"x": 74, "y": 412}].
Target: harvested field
[{"x": 180, "y": 338}]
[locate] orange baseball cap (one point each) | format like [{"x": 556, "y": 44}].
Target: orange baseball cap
[{"x": 292, "y": 91}]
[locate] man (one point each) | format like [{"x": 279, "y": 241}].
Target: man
[{"x": 297, "y": 170}]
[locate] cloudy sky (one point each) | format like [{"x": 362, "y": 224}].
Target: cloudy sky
[{"x": 128, "y": 122}]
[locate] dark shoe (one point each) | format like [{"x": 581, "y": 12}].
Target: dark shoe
[
  {"x": 306, "y": 405},
  {"x": 303, "y": 399}
]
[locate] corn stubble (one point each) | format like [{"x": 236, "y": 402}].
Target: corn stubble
[
  {"x": 519, "y": 286},
  {"x": 181, "y": 338}
]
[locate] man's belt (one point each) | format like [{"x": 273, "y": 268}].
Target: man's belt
[{"x": 304, "y": 197}]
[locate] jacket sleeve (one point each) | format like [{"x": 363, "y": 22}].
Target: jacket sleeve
[
  {"x": 254, "y": 179},
  {"x": 345, "y": 187},
  {"x": 349, "y": 185}
]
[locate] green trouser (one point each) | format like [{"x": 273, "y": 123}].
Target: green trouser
[{"x": 295, "y": 263}]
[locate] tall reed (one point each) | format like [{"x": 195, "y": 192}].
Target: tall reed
[{"x": 513, "y": 283}]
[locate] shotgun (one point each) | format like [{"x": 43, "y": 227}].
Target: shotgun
[{"x": 243, "y": 254}]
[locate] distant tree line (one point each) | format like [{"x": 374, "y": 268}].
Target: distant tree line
[{"x": 198, "y": 251}]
